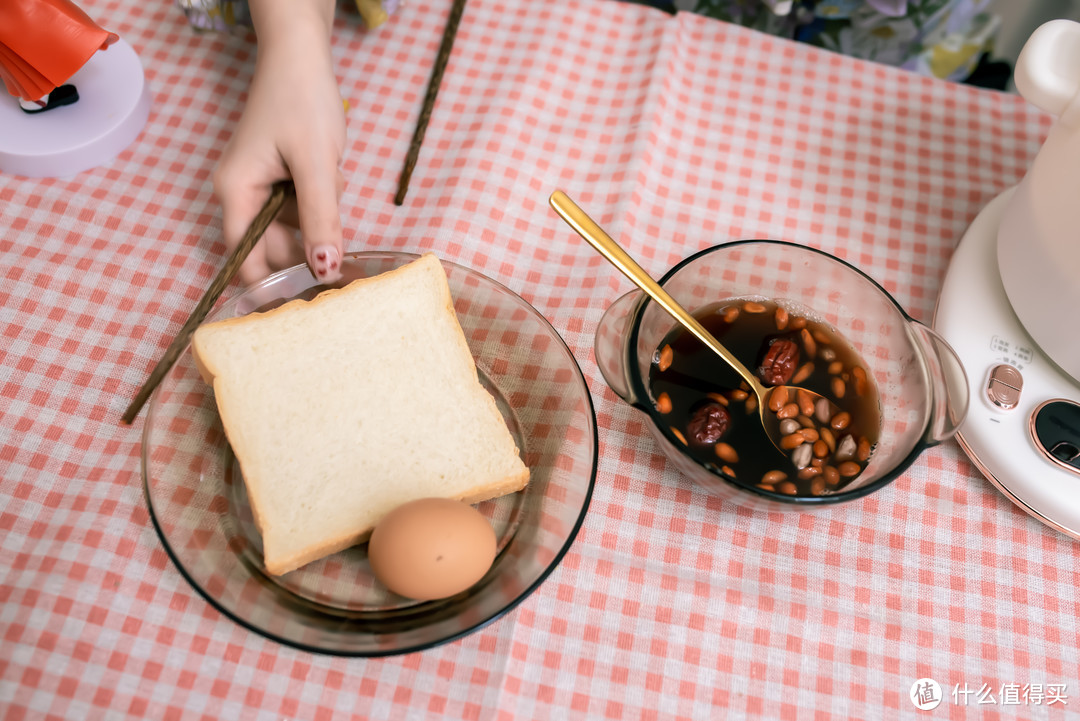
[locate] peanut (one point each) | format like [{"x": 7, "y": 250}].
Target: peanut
[
  {"x": 792, "y": 442},
  {"x": 666, "y": 356},
  {"x": 789, "y": 426},
  {"x": 847, "y": 469},
  {"x": 859, "y": 375},
  {"x": 781, "y": 318},
  {"x": 840, "y": 421},
  {"x": 801, "y": 456},
  {"x": 778, "y": 398},
  {"x": 663, "y": 403},
  {"x": 845, "y": 450},
  {"x": 726, "y": 453},
  {"x": 774, "y": 477},
  {"x": 822, "y": 410},
  {"x": 828, "y": 437},
  {"x": 789, "y": 411},
  {"x": 809, "y": 344},
  {"x": 802, "y": 373}
]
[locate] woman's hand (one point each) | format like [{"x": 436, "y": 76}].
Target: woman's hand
[{"x": 293, "y": 126}]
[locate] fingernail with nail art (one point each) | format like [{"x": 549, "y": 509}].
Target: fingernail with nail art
[{"x": 326, "y": 261}]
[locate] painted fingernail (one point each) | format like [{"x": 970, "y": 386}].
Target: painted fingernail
[{"x": 326, "y": 261}]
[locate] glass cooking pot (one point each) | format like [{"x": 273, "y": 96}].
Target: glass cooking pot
[{"x": 921, "y": 383}]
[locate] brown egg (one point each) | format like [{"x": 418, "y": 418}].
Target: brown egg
[{"x": 431, "y": 548}]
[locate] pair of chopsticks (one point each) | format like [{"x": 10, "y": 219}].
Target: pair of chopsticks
[{"x": 279, "y": 193}]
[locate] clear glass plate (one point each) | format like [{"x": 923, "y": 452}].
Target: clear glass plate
[{"x": 199, "y": 507}]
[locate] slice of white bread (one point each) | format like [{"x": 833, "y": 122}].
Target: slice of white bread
[{"x": 341, "y": 408}]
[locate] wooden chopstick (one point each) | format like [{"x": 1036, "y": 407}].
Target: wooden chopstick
[
  {"x": 429, "y": 99},
  {"x": 279, "y": 192}
]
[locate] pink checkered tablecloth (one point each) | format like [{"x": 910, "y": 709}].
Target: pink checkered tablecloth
[{"x": 675, "y": 133}]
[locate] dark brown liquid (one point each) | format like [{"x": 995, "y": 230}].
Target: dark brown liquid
[{"x": 697, "y": 377}]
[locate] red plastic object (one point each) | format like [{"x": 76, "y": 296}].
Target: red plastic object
[{"x": 43, "y": 43}]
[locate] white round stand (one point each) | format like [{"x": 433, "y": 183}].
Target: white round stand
[
  {"x": 113, "y": 105},
  {"x": 975, "y": 317}
]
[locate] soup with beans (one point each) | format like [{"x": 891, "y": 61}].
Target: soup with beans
[{"x": 710, "y": 410}]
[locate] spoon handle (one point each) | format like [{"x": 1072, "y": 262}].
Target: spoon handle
[{"x": 577, "y": 219}]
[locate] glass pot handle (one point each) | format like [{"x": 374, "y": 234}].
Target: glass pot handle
[
  {"x": 948, "y": 382},
  {"x": 609, "y": 345}
]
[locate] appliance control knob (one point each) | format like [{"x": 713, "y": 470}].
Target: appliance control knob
[
  {"x": 1055, "y": 428},
  {"x": 1065, "y": 451},
  {"x": 1003, "y": 388}
]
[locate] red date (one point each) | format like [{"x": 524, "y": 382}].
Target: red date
[
  {"x": 779, "y": 363},
  {"x": 708, "y": 423}
]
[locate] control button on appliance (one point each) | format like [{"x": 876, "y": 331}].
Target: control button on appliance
[
  {"x": 1065, "y": 451},
  {"x": 1003, "y": 388},
  {"x": 1055, "y": 428}
]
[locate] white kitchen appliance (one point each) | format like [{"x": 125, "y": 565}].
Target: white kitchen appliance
[{"x": 1010, "y": 301}]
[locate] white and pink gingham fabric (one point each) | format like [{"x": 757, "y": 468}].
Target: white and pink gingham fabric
[{"x": 675, "y": 133}]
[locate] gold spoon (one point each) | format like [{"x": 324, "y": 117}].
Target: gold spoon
[{"x": 576, "y": 218}]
